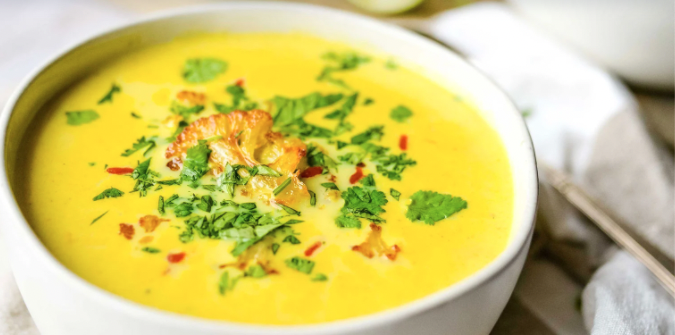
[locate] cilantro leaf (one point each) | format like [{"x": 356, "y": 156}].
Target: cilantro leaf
[
  {"x": 226, "y": 284},
  {"x": 361, "y": 203},
  {"x": 338, "y": 63},
  {"x": 144, "y": 177},
  {"x": 255, "y": 271},
  {"x": 312, "y": 198},
  {"x": 282, "y": 186},
  {"x": 81, "y": 117},
  {"x": 316, "y": 157},
  {"x": 275, "y": 248},
  {"x": 108, "y": 97},
  {"x": 393, "y": 165},
  {"x": 372, "y": 133},
  {"x": 151, "y": 250},
  {"x": 300, "y": 264},
  {"x": 140, "y": 144},
  {"x": 320, "y": 277},
  {"x": 347, "y": 221},
  {"x": 368, "y": 180},
  {"x": 185, "y": 111},
  {"x": 109, "y": 193},
  {"x": 160, "y": 205},
  {"x": 199, "y": 70},
  {"x": 330, "y": 186},
  {"x": 400, "y": 113},
  {"x": 239, "y": 101},
  {"x": 287, "y": 110},
  {"x": 196, "y": 162},
  {"x": 263, "y": 170},
  {"x": 394, "y": 193},
  {"x": 291, "y": 239},
  {"x": 432, "y": 207},
  {"x": 342, "y": 113}
]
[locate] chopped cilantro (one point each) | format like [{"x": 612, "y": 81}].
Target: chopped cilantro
[
  {"x": 394, "y": 193},
  {"x": 341, "y": 144},
  {"x": 368, "y": 180},
  {"x": 312, "y": 198},
  {"x": 92, "y": 163},
  {"x": 344, "y": 221},
  {"x": 293, "y": 221},
  {"x": 199, "y": 70},
  {"x": 248, "y": 205},
  {"x": 342, "y": 113},
  {"x": 81, "y": 117},
  {"x": 263, "y": 170},
  {"x": 225, "y": 283},
  {"x": 291, "y": 239},
  {"x": 275, "y": 248},
  {"x": 393, "y": 165},
  {"x": 320, "y": 277},
  {"x": 185, "y": 111},
  {"x": 400, "y": 113},
  {"x": 316, "y": 157},
  {"x": 289, "y": 210},
  {"x": 109, "y": 193},
  {"x": 368, "y": 101},
  {"x": 363, "y": 203},
  {"x": 281, "y": 186},
  {"x": 170, "y": 182},
  {"x": 205, "y": 203},
  {"x": 338, "y": 63},
  {"x": 300, "y": 264},
  {"x": 230, "y": 178},
  {"x": 196, "y": 162},
  {"x": 140, "y": 144},
  {"x": 179, "y": 129},
  {"x": 160, "y": 205},
  {"x": 287, "y": 111},
  {"x": 255, "y": 271},
  {"x": 183, "y": 209},
  {"x": 108, "y": 97},
  {"x": 330, "y": 186},
  {"x": 134, "y": 115},
  {"x": 211, "y": 188},
  {"x": 372, "y": 133},
  {"x": 98, "y": 217},
  {"x": 144, "y": 177},
  {"x": 151, "y": 250},
  {"x": 239, "y": 101},
  {"x": 432, "y": 207}
]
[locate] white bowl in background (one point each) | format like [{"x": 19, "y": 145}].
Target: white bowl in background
[{"x": 62, "y": 303}]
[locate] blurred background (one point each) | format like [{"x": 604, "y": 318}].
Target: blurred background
[{"x": 594, "y": 80}]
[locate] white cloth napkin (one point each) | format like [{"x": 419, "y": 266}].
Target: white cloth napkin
[{"x": 581, "y": 119}]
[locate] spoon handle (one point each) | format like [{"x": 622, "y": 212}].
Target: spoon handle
[{"x": 590, "y": 208}]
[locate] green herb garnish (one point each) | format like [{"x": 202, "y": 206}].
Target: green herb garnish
[
  {"x": 330, "y": 186},
  {"x": 109, "y": 193},
  {"x": 300, "y": 264},
  {"x": 151, "y": 250},
  {"x": 81, "y": 117},
  {"x": 140, "y": 144},
  {"x": 320, "y": 277},
  {"x": 372, "y": 133},
  {"x": 400, "y": 113},
  {"x": 432, "y": 207},
  {"x": 394, "y": 193},
  {"x": 281, "y": 186},
  {"x": 199, "y": 70},
  {"x": 98, "y": 217},
  {"x": 196, "y": 162},
  {"x": 108, "y": 97},
  {"x": 291, "y": 239}
]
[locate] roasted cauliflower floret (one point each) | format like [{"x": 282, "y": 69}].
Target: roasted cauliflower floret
[{"x": 246, "y": 138}]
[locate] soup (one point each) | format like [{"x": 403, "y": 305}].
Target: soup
[{"x": 267, "y": 179}]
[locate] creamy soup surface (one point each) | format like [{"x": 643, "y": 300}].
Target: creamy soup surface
[{"x": 266, "y": 178}]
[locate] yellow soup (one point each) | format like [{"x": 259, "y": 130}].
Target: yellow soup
[{"x": 266, "y": 178}]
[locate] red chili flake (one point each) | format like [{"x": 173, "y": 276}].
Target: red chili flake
[
  {"x": 120, "y": 170},
  {"x": 311, "y": 172},
  {"x": 356, "y": 176},
  {"x": 239, "y": 82},
  {"x": 313, "y": 248},
  {"x": 127, "y": 231},
  {"x": 403, "y": 142},
  {"x": 175, "y": 258}
]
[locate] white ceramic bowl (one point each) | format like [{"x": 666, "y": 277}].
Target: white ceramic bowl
[{"x": 61, "y": 303}]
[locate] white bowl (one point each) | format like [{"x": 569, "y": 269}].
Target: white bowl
[{"x": 61, "y": 303}]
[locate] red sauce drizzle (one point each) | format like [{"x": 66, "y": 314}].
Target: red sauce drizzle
[
  {"x": 120, "y": 170},
  {"x": 239, "y": 82},
  {"x": 311, "y": 172},
  {"x": 403, "y": 142},
  {"x": 356, "y": 176},
  {"x": 175, "y": 258},
  {"x": 312, "y": 248}
]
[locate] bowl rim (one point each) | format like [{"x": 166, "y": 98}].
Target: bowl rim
[{"x": 517, "y": 241}]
